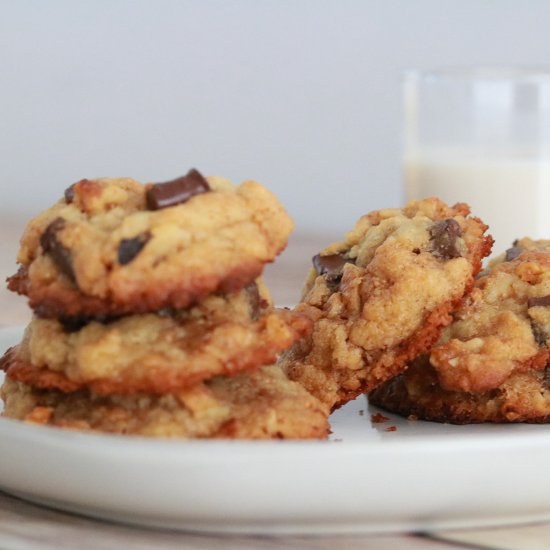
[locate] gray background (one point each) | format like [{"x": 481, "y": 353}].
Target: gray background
[{"x": 303, "y": 96}]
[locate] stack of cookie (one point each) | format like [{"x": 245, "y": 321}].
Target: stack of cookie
[{"x": 151, "y": 317}]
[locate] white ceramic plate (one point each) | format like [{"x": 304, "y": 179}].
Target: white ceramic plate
[{"x": 421, "y": 476}]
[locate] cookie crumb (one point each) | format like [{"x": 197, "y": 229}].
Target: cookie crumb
[
  {"x": 361, "y": 412},
  {"x": 391, "y": 429},
  {"x": 378, "y": 418}
]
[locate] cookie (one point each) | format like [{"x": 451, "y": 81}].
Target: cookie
[
  {"x": 155, "y": 353},
  {"x": 519, "y": 246},
  {"x": 490, "y": 364},
  {"x": 116, "y": 246},
  {"x": 381, "y": 297},
  {"x": 260, "y": 405}
]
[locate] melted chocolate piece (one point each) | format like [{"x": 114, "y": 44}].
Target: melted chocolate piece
[
  {"x": 513, "y": 253},
  {"x": 128, "y": 249},
  {"x": 329, "y": 265},
  {"x": 443, "y": 235},
  {"x": 69, "y": 193},
  {"x": 332, "y": 266},
  {"x": 55, "y": 249},
  {"x": 543, "y": 301},
  {"x": 169, "y": 193}
]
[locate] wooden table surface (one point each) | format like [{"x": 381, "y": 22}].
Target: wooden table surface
[{"x": 25, "y": 526}]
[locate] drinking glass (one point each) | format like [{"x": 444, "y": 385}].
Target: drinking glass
[{"x": 482, "y": 136}]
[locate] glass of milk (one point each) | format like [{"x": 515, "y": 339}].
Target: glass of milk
[{"x": 482, "y": 136}]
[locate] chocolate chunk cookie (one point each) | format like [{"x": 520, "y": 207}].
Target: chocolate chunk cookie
[
  {"x": 490, "y": 364},
  {"x": 260, "y": 405},
  {"x": 519, "y": 246},
  {"x": 155, "y": 353},
  {"x": 381, "y": 297},
  {"x": 114, "y": 246}
]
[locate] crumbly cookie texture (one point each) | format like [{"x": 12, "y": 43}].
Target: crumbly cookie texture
[
  {"x": 381, "y": 297},
  {"x": 156, "y": 353},
  {"x": 490, "y": 364},
  {"x": 259, "y": 405},
  {"x": 116, "y": 246}
]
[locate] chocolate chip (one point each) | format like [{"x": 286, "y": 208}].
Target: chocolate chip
[
  {"x": 49, "y": 238},
  {"x": 55, "y": 249},
  {"x": 69, "y": 193},
  {"x": 513, "y": 253},
  {"x": 332, "y": 266},
  {"x": 443, "y": 235},
  {"x": 543, "y": 301},
  {"x": 169, "y": 193},
  {"x": 128, "y": 249}
]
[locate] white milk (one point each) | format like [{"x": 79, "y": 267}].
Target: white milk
[{"x": 511, "y": 195}]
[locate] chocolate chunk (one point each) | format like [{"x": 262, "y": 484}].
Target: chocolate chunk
[
  {"x": 332, "y": 266},
  {"x": 55, "y": 249},
  {"x": 513, "y": 253},
  {"x": 128, "y": 249},
  {"x": 169, "y": 193},
  {"x": 543, "y": 301},
  {"x": 69, "y": 193},
  {"x": 443, "y": 235}
]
